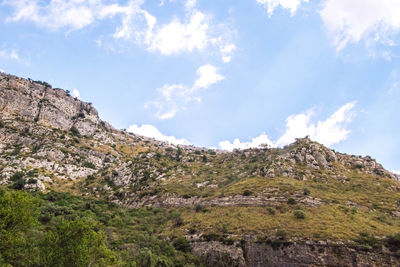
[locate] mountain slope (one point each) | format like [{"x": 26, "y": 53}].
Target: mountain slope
[{"x": 305, "y": 199}]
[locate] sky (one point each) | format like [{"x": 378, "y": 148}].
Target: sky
[{"x": 221, "y": 74}]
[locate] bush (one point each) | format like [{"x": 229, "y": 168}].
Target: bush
[
  {"x": 280, "y": 233},
  {"x": 291, "y": 201},
  {"x": 247, "y": 193},
  {"x": 271, "y": 211},
  {"x": 367, "y": 241},
  {"x": 393, "y": 242},
  {"x": 74, "y": 131},
  {"x": 182, "y": 244},
  {"x": 89, "y": 165},
  {"x": 306, "y": 191},
  {"x": 299, "y": 214},
  {"x": 18, "y": 180},
  {"x": 198, "y": 208}
]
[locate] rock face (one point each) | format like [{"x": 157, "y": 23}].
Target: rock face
[
  {"x": 52, "y": 107},
  {"x": 287, "y": 254}
]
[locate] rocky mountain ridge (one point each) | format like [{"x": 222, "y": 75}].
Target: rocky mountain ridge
[{"x": 50, "y": 140}]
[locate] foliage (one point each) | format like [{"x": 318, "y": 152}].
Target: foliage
[
  {"x": 393, "y": 242},
  {"x": 59, "y": 229},
  {"x": 299, "y": 214},
  {"x": 18, "y": 213},
  {"x": 75, "y": 243},
  {"x": 75, "y": 131}
]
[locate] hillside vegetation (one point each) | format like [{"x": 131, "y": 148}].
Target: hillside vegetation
[{"x": 77, "y": 192}]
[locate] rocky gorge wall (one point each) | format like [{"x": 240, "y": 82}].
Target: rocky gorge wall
[{"x": 288, "y": 254}]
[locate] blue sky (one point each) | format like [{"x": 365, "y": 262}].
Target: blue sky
[{"x": 225, "y": 74}]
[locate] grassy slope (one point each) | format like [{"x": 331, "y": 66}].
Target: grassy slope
[{"x": 360, "y": 204}]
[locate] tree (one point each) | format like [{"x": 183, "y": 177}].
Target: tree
[
  {"x": 18, "y": 216},
  {"x": 76, "y": 243}
]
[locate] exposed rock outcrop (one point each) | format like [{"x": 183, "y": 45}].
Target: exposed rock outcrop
[{"x": 291, "y": 254}]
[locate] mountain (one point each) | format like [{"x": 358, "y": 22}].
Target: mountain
[{"x": 300, "y": 205}]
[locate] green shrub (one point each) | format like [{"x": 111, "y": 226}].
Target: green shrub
[
  {"x": 74, "y": 131},
  {"x": 393, "y": 242},
  {"x": 247, "y": 193},
  {"x": 182, "y": 244},
  {"x": 19, "y": 181},
  {"x": 306, "y": 191},
  {"x": 198, "y": 208},
  {"x": 299, "y": 214},
  {"x": 280, "y": 233},
  {"x": 291, "y": 201},
  {"x": 89, "y": 164},
  {"x": 271, "y": 210},
  {"x": 367, "y": 241}
]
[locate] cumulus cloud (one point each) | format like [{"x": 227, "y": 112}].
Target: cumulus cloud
[
  {"x": 176, "y": 97},
  {"x": 152, "y": 132},
  {"x": 196, "y": 31},
  {"x": 76, "y": 93},
  {"x": 10, "y": 54},
  {"x": 176, "y": 36},
  {"x": 357, "y": 20},
  {"x": 271, "y": 5},
  {"x": 1, "y": 70},
  {"x": 262, "y": 139},
  {"x": 328, "y": 132},
  {"x": 207, "y": 76}
]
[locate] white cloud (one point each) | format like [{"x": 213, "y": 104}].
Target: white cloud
[
  {"x": 207, "y": 76},
  {"x": 176, "y": 97},
  {"x": 1, "y": 70},
  {"x": 226, "y": 52},
  {"x": 271, "y": 5},
  {"x": 396, "y": 172},
  {"x": 76, "y": 14},
  {"x": 151, "y": 131},
  {"x": 357, "y": 20},
  {"x": 196, "y": 31},
  {"x": 55, "y": 14},
  {"x": 10, "y": 54},
  {"x": 328, "y": 132},
  {"x": 255, "y": 142},
  {"x": 177, "y": 36},
  {"x": 76, "y": 93},
  {"x": 190, "y": 4}
]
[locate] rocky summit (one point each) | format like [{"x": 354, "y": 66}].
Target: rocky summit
[{"x": 159, "y": 204}]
